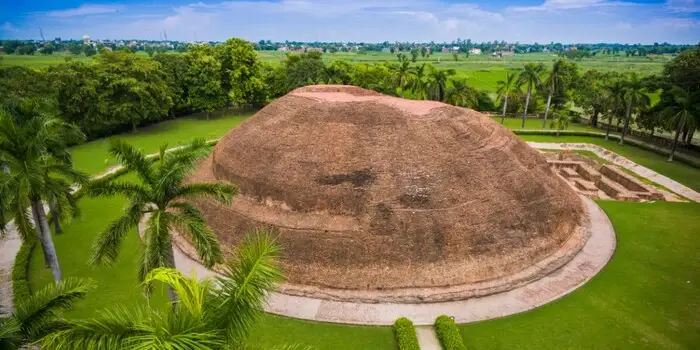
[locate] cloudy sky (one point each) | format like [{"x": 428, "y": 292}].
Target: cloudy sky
[{"x": 526, "y": 21}]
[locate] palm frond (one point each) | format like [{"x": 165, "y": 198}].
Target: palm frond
[
  {"x": 248, "y": 279},
  {"x": 108, "y": 188},
  {"x": 191, "y": 223},
  {"x": 133, "y": 160},
  {"x": 111, "y": 330},
  {"x": 105, "y": 249},
  {"x": 157, "y": 248},
  {"x": 10, "y": 334},
  {"x": 220, "y": 192},
  {"x": 191, "y": 291},
  {"x": 176, "y": 164},
  {"x": 41, "y": 309}
]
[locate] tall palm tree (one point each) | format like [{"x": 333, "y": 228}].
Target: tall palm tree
[
  {"x": 680, "y": 114},
  {"x": 461, "y": 94},
  {"x": 554, "y": 82},
  {"x": 419, "y": 86},
  {"x": 437, "y": 83},
  {"x": 162, "y": 194},
  {"x": 530, "y": 76},
  {"x": 614, "y": 100},
  {"x": 210, "y": 314},
  {"x": 32, "y": 146},
  {"x": 402, "y": 76},
  {"x": 505, "y": 88},
  {"x": 635, "y": 97},
  {"x": 38, "y": 316}
]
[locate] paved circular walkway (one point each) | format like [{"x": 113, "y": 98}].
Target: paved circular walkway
[{"x": 587, "y": 263}]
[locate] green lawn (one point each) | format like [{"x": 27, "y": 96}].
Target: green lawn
[
  {"x": 536, "y": 124},
  {"x": 94, "y": 157},
  {"x": 648, "y": 296}
]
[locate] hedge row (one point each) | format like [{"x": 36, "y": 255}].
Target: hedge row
[
  {"x": 643, "y": 145},
  {"x": 406, "y": 334},
  {"x": 448, "y": 334},
  {"x": 20, "y": 272}
]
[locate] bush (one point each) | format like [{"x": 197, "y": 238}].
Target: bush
[
  {"x": 406, "y": 334},
  {"x": 20, "y": 272},
  {"x": 448, "y": 334}
]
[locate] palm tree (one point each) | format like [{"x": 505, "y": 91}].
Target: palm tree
[
  {"x": 505, "y": 88},
  {"x": 210, "y": 314},
  {"x": 32, "y": 146},
  {"x": 402, "y": 76},
  {"x": 635, "y": 96},
  {"x": 437, "y": 83},
  {"x": 554, "y": 82},
  {"x": 530, "y": 76},
  {"x": 614, "y": 97},
  {"x": 38, "y": 316},
  {"x": 419, "y": 87},
  {"x": 161, "y": 194},
  {"x": 680, "y": 114},
  {"x": 461, "y": 94}
]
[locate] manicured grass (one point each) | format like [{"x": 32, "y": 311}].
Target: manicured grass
[
  {"x": 276, "y": 330},
  {"x": 646, "y": 298},
  {"x": 116, "y": 285},
  {"x": 94, "y": 157},
  {"x": 680, "y": 172},
  {"x": 536, "y": 124}
]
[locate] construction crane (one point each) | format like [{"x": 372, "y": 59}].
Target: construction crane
[{"x": 41, "y": 32}]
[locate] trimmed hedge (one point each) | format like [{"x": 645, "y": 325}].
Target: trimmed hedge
[
  {"x": 406, "y": 336},
  {"x": 643, "y": 145},
  {"x": 20, "y": 272},
  {"x": 449, "y": 335}
]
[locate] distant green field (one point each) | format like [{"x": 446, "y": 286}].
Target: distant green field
[{"x": 483, "y": 71}]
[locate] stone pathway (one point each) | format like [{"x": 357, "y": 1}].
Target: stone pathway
[
  {"x": 625, "y": 163},
  {"x": 427, "y": 339},
  {"x": 587, "y": 263},
  {"x": 9, "y": 246}
]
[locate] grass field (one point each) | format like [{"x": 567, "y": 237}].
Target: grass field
[{"x": 646, "y": 298}]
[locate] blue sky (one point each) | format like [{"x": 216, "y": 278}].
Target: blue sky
[{"x": 568, "y": 21}]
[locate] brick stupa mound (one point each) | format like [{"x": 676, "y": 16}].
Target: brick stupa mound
[{"x": 376, "y": 197}]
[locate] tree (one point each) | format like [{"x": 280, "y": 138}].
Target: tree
[
  {"x": 211, "y": 314},
  {"x": 47, "y": 49},
  {"x": 414, "y": 54},
  {"x": 554, "y": 83},
  {"x": 241, "y": 72},
  {"x": 203, "y": 79},
  {"x": 162, "y": 194},
  {"x": 33, "y": 149},
  {"x": 437, "y": 83},
  {"x": 530, "y": 76},
  {"x": 682, "y": 114},
  {"x": 461, "y": 94},
  {"x": 39, "y": 315},
  {"x": 423, "y": 51},
  {"x": 150, "y": 50},
  {"x": 75, "y": 49},
  {"x": 77, "y": 89},
  {"x": 561, "y": 120},
  {"x": 455, "y": 56},
  {"x": 614, "y": 100},
  {"x": 304, "y": 69},
  {"x": 132, "y": 89},
  {"x": 402, "y": 76},
  {"x": 89, "y": 50},
  {"x": 635, "y": 97},
  {"x": 505, "y": 89},
  {"x": 340, "y": 72},
  {"x": 175, "y": 70},
  {"x": 419, "y": 85},
  {"x": 590, "y": 94}
]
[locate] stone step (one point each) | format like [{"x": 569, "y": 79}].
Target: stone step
[
  {"x": 569, "y": 173},
  {"x": 615, "y": 190},
  {"x": 587, "y": 172},
  {"x": 585, "y": 185}
]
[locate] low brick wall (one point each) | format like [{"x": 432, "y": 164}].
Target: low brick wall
[{"x": 623, "y": 178}]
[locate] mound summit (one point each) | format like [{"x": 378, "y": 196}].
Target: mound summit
[{"x": 375, "y": 193}]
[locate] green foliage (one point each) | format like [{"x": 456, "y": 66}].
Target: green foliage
[
  {"x": 304, "y": 69},
  {"x": 210, "y": 314},
  {"x": 20, "y": 270},
  {"x": 405, "y": 333},
  {"x": 448, "y": 334},
  {"x": 203, "y": 79},
  {"x": 241, "y": 72}
]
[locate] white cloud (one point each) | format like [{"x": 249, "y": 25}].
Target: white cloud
[
  {"x": 84, "y": 10},
  {"x": 553, "y": 5},
  {"x": 686, "y": 6}
]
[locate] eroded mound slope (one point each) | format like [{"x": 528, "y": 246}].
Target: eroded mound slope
[{"x": 369, "y": 191}]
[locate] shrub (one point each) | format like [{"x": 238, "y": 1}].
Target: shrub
[
  {"x": 406, "y": 334},
  {"x": 448, "y": 334},
  {"x": 20, "y": 272}
]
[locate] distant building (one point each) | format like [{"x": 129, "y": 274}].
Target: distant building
[
  {"x": 57, "y": 40},
  {"x": 283, "y": 48},
  {"x": 86, "y": 39},
  {"x": 445, "y": 50},
  {"x": 502, "y": 53},
  {"x": 386, "y": 49},
  {"x": 475, "y": 51}
]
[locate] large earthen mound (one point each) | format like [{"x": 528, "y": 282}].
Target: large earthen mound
[{"x": 372, "y": 192}]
